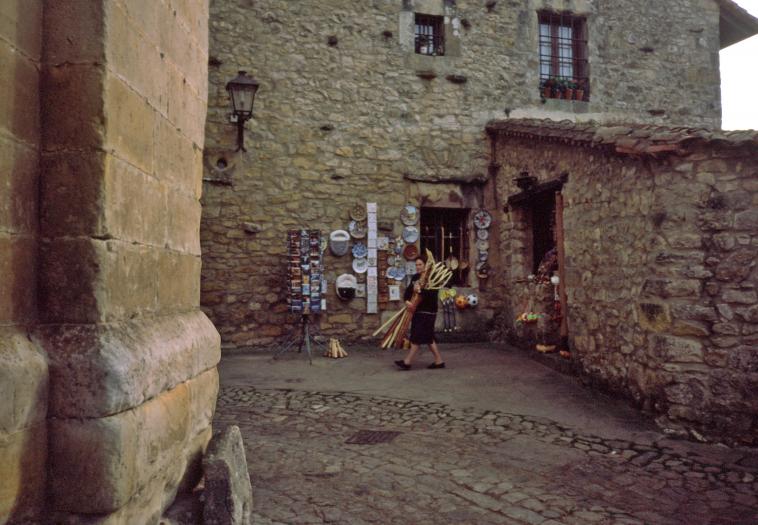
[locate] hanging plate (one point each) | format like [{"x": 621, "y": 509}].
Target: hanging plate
[
  {"x": 452, "y": 262},
  {"x": 410, "y": 234},
  {"x": 360, "y": 265},
  {"x": 483, "y": 256},
  {"x": 391, "y": 272},
  {"x": 410, "y": 252},
  {"x": 357, "y": 229},
  {"x": 359, "y": 250},
  {"x": 483, "y": 234},
  {"x": 482, "y": 219},
  {"x": 399, "y": 274},
  {"x": 482, "y": 245},
  {"x": 399, "y": 245},
  {"x": 358, "y": 212},
  {"x": 409, "y": 215}
]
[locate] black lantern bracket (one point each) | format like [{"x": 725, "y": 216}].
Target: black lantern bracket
[{"x": 242, "y": 90}]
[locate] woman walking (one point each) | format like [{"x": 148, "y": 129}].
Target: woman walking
[{"x": 423, "y": 304}]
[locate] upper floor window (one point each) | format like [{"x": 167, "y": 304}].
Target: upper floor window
[
  {"x": 430, "y": 35},
  {"x": 564, "y": 64}
]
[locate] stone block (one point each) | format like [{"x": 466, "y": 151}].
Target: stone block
[
  {"x": 21, "y": 25},
  {"x": 665, "y": 288},
  {"x": 68, "y": 274},
  {"x": 23, "y": 475},
  {"x": 18, "y": 257},
  {"x": 178, "y": 161},
  {"x": 71, "y": 194},
  {"x": 74, "y": 32},
  {"x": 72, "y": 95},
  {"x": 130, "y": 125},
  {"x": 96, "y": 370},
  {"x": 23, "y": 381},
  {"x": 98, "y": 465},
  {"x": 739, "y": 296},
  {"x": 18, "y": 187},
  {"x": 737, "y": 265},
  {"x": 693, "y": 312},
  {"x": 124, "y": 185},
  {"x": 671, "y": 349},
  {"x": 179, "y": 289},
  {"x": 746, "y": 220},
  {"x": 19, "y": 105},
  {"x": 228, "y": 494},
  {"x": 187, "y": 110},
  {"x": 183, "y": 223},
  {"x": 133, "y": 57}
]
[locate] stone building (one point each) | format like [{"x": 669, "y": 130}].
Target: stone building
[
  {"x": 386, "y": 101},
  {"x": 660, "y": 235},
  {"x": 107, "y": 365}
]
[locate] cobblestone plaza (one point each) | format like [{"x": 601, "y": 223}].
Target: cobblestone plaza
[{"x": 459, "y": 460}]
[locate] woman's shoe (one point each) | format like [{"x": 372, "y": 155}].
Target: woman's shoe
[
  {"x": 401, "y": 365},
  {"x": 435, "y": 365}
]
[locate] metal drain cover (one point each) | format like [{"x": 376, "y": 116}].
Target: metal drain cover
[{"x": 372, "y": 437}]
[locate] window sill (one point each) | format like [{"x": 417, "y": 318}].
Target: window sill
[{"x": 572, "y": 106}]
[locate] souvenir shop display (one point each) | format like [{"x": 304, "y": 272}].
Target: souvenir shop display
[
  {"x": 410, "y": 234},
  {"x": 410, "y": 252},
  {"x": 482, "y": 220},
  {"x": 358, "y": 213},
  {"x": 359, "y": 250},
  {"x": 305, "y": 271},
  {"x": 447, "y": 298},
  {"x": 345, "y": 286},
  {"x": 357, "y": 229}
]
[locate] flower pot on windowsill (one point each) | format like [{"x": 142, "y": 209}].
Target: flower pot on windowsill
[
  {"x": 568, "y": 94},
  {"x": 578, "y": 94}
]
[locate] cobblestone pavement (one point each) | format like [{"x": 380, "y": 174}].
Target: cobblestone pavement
[{"x": 471, "y": 466}]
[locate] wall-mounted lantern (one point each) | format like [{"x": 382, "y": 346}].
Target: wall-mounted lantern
[{"x": 242, "y": 91}]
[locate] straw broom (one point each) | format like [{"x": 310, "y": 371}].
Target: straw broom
[{"x": 434, "y": 276}]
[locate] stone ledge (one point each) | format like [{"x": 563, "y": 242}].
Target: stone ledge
[
  {"x": 103, "y": 369},
  {"x": 99, "y": 465}
]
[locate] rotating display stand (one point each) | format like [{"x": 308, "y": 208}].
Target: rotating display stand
[{"x": 305, "y": 270}]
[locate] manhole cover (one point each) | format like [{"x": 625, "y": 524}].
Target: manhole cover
[{"x": 372, "y": 437}]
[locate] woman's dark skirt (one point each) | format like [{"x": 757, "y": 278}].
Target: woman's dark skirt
[{"x": 422, "y": 328}]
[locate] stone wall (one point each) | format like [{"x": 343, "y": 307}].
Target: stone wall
[
  {"x": 106, "y": 285},
  {"x": 360, "y": 117},
  {"x": 661, "y": 271},
  {"x": 23, "y": 369}
]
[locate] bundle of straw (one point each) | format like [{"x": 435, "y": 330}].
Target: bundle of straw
[{"x": 434, "y": 276}]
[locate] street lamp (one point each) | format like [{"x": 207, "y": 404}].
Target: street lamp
[{"x": 242, "y": 91}]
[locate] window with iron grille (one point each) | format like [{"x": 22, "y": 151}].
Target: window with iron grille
[
  {"x": 444, "y": 233},
  {"x": 564, "y": 63},
  {"x": 430, "y": 35}
]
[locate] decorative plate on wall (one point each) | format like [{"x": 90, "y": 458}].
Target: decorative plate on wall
[
  {"x": 482, "y": 219},
  {"x": 360, "y": 265},
  {"x": 358, "y": 212},
  {"x": 482, "y": 245},
  {"x": 410, "y": 234},
  {"x": 359, "y": 250},
  {"x": 483, "y": 234},
  {"x": 357, "y": 229},
  {"x": 409, "y": 215},
  {"x": 410, "y": 252}
]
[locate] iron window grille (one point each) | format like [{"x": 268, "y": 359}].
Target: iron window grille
[
  {"x": 444, "y": 233},
  {"x": 564, "y": 60},
  {"x": 430, "y": 35}
]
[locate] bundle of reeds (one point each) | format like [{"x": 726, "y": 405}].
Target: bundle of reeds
[
  {"x": 335, "y": 349},
  {"x": 434, "y": 276}
]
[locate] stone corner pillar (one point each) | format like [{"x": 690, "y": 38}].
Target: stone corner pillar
[{"x": 132, "y": 359}]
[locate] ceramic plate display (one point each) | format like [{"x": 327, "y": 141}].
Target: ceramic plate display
[
  {"x": 483, "y": 234},
  {"x": 482, "y": 245},
  {"x": 399, "y": 274},
  {"x": 483, "y": 256},
  {"x": 358, "y": 212},
  {"x": 390, "y": 272},
  {"x": 357, "y": 229},
  {"x": 391, "y": 260},
  {"x": 359, "y": 250},
  {"x": 399, "y": 245},
  {"x": 360, "y": 265},
  {"x": 482, "y": 219},
  {"x": 410, "y": 252},
  {"x": 410, "y": 234},
  {"x": 338, "y": 242},
  {"x": 480, "y": 265},
  {"x": 409, "y": 215}
]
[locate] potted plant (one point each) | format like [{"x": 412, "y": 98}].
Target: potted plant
[
  {"x": 546, "y": 87},
  {"x": 568, "y": 89},
  {"x": 580, "y": 89}
]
